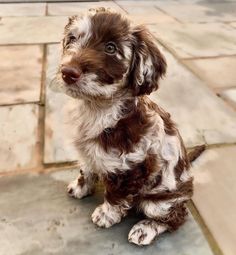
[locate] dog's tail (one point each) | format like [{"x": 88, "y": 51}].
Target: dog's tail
[{"x": 196, "y": 152}]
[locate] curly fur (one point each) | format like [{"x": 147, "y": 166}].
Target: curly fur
[{"x": 123, "y": 137}]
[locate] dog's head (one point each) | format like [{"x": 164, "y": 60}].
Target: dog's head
[{"x": 103, "y": 56}]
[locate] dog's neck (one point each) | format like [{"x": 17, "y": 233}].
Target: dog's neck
[
  {"x": 106, "y": 104},
  {"x": 95, "y": 116}
]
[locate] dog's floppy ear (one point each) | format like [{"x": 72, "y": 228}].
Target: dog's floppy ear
[{"x": 147, "y": 64}]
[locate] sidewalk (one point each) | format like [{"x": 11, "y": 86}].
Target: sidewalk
[{"x": 198, "y": 39}]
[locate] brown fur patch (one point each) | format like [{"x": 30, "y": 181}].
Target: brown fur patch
[
  {"x": 127, "y": 185},
  {"x": 144, "y": 48},
  {"x": 175, "y": 218},
  {"x": 182, "y": 164},
  {"x": 81, "y": 180},
  {"x": 169, "y": 125},
  {"x": 128, "y": 130},
  {"x": 184, "y": 189},
  {"x": 196, "y": 152}
]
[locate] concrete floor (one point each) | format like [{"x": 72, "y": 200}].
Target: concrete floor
[{"x": 198, "y": 39}]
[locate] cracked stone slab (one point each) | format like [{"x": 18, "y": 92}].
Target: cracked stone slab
[
  {"x": 23, "y": 9},
  {"x": 25, "y": 63},
  {"x": 197, "y": 40},
  {"x": 201, "y": 116},
  {"x": 215, "y": 177},
  {"x": 58, "y": 145},
  {"x": 217, "y": 72},
  {"x": 74, "y": 8},
  {"x": 29, "y": 30},
  {"x": 199, "y": 11},
  {"x": 38, "y": 217},
  {"x": 18, "y": 137}
]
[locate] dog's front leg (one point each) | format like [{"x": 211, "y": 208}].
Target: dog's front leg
[
  {"x": 116, "y": 204},
  {"x": 83, "y": 185}
]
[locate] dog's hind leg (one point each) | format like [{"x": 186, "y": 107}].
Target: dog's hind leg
[
  {"x": 161, "y": 217},
  {"x": 145, "y": 231}
]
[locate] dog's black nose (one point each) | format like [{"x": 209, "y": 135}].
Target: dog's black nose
[{"x": 70, "y": 74}]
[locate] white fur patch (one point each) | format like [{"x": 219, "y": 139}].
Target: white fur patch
[
  {"x": 107, "y": 215},
  {"x": 156, "y": 209},
  {"x": 145, "y": 231},
  {"x": 82, "y": 27},
  {"x": 160, "y": 209},
  {"x": 171, "y": 152},
  {"x": 76, "y": 190}
]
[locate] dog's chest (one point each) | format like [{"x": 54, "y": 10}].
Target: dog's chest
[{"x": 90, "y": 124}]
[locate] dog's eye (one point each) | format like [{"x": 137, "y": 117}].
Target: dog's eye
[
  {"x": 110, "y": 48},
  {"x": 71, "y": 39}
]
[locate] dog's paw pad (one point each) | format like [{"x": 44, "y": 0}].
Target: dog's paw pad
[
  {"x": 104, "y": 217},
  {"x": 144, "y": 232}
]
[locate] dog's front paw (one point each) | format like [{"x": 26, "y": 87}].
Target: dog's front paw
[
  {"x": 144, "y": 232},
  {"x": 79, "y": 188},
  {"x": 106, "y": 215}
]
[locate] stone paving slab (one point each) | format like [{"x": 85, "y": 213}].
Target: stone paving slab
[
  {"x": 199, "y": 11},
  {"x": 58, "y": 145},
  {"x": 156, "y": 18},
  {"x": 31, "y": 30},
  {"x": 23, "y": 9},
  {"x": 76, "y": 8},
  {"x": 201, "y": 116},
  {"x": 197, "y": 40},
  {"x": 19, "y": 137},
  {"x": 39, "y": 218},
  {"x": 214, "y": 195},
  {"x": 20, "y": 74},
  {"x": 217, "y": 72},
  {"x": 144, "y": 12}
]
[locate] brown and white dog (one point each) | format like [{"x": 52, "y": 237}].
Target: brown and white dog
[{"x": 123, "y": 138}]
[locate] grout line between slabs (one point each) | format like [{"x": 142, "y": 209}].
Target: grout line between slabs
[
  {"x": 209, "y": 57},
  {"x": 207, "y": 233},
  {"x": 42, "y": 110},
  {"x": 43, "y": 75},
  {"x": 120, "y": 6},
  {"x": 42, "y": 169},
  {"x": 22, "y": 103},
  {"x": 46, "y": 10},
  {"x": 166, "y": 13},
  {"x": 28, "y": 44}
]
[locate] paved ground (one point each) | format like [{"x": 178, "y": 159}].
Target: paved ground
[{"x": 198, "y": 38}]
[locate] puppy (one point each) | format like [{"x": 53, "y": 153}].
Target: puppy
[{"x": 123, "y": 138}]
